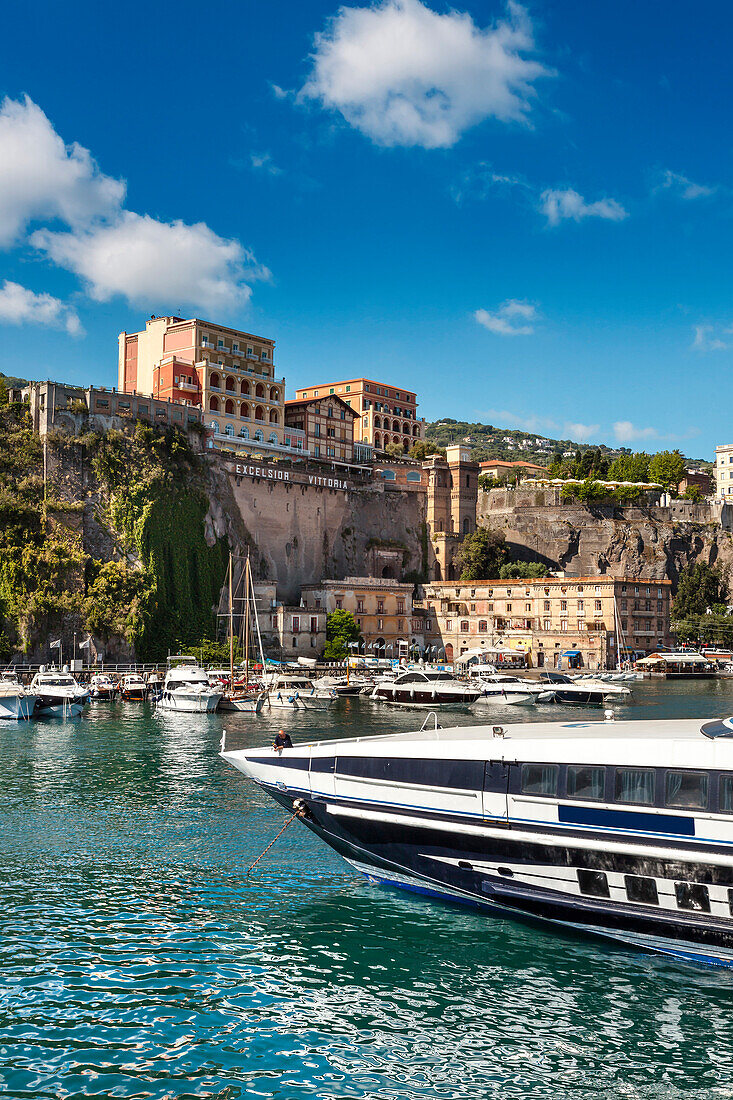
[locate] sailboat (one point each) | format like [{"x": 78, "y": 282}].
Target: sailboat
[{"x": 244, "y": 699}]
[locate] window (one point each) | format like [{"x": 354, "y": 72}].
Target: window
[
  {"x": 687, "y": 790},
  {"x": 380, "y": 624},
  {"x": 692, "y": 895},
  {"x": 508, "y": 607},
  {"x": 581, "y": 605},
  {"x": 448, "y": 624},
  {"x": 725, "y": 798},
  {"x": 400, "y": 607},
  {"x": 380, "y": 607},
  {"x": 464, "y": 626},
  {"x": 339, "y": 603},
  {"x": 563, "y": 605},
  {"x": 482, "y": 626},
  {"x": 296, "y": 624},
  {"x": 546, "y": 624},
  {"x": 635, "y": 785},
  {"x": 641, "y": 889},
  {"x": 360, "y": 607},
  {"x": 598, "y": 605},
  {"x": 546, "y": 605},
  {"x": 585, "y": 782},
  {"x": 593, "y": 883},
  {"x": 540, "y": 779}
]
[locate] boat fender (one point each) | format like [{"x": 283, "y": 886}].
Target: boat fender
[
  {"x": 412, "y": 693},
  {"x": 279, "y": 696}
]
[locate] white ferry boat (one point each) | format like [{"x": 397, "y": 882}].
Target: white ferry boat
[{"x": 622, "y": 829}]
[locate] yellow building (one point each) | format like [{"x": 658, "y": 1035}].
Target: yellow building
[
  {"x": 387, "y": 413},
  {"x": 382, "y": 609},
  {"x": 229, "y": 374},
  {"x": 598, "y": 617}
]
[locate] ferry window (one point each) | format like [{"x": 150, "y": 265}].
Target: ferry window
[
  {"x": 730, "y": 901},
  {"x": 725, "y": 798},
  {"x": 585, "y": 782},
  {"x": 540, "y": 779},
  {"x": 691, "y": 895},
  {"x": 594, "y": 883},
  {"x": 641, "y": 889},
  {"x": 687, "y": 790},
  {"x": 635, "y": 785}
]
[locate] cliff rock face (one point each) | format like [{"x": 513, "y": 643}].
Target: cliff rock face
[{"x": 644, "y": 543}]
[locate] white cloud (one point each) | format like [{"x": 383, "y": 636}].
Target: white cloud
[
  {"x": 709, "y": 338},
  {"x": 512, "y": 318},
  {"x": 263, "y": 162},
  {"x": 567, "y": 204},
  {"x": 20, "y": 306},
  {"x": 580, "y": 433},
  {"x": 626, "y": 432},
  {"x": 150, "y": 262},
  {"x": 41, "y": 178},
  {"x": 532, "y": 423},
  {"x": 683, "y": 187},
  {"x": 403, "y": 74}
]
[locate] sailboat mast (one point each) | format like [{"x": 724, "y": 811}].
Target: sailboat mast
[
  {"x": 246, "y": 622},
  {"x": 231, "y": 627}
]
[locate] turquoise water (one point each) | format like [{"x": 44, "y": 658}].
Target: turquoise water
[{"x": 137, "y": 959}]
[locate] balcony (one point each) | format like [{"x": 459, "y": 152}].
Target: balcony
[
  {"x": 191, "y": 387},
  {"x": 261, "y": 445}
]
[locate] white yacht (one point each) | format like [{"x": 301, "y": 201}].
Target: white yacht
[
  {"x": 134, "y": 687},
  {"x": 186, "y": 687},
  {"x": 556, "y": 687},
  {"x": 499, "y": 687},
  {"x": 621, "y": 829},
  {"x": 293, "y": 692},
  {"x": 425, "y": 688},
  {"x": 15, "y": 701},
  {"x": 58, "y": 693},
  {"x": 102, "y": 686}
]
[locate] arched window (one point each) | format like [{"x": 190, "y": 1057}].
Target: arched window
[
  {"x": 389, "y": 475},
  {"x": 274, "y": 393},
  {"x": 259, "y": 413},
  {"x": 273, "y": 437},
  {"x": 214, "y": 425},
  {"x": 259, "y": 436},
  {"x": 229, "y": 407},
  {"x": 244, "y": 388},
  {"x": 415, "y": 430},
  {"x": 449, "y": 652},
  {"x": 466, "y": 526},
  {"x": 214, "y": 380},
  {"x": 274, "y": 416},
  {"x": 214, "y": 403},
  {"x": 230, "y": 384},
  {"x": 414, "y": 475},
  {"x": 405, "y": 429},
  {"x": 260, "y": 391},
  {"x": 377, "y": 422},
  {"x": 244, "y": 410},
  {"x": 229, "y": 430},
  {"x": 244, "y": 433},
  {"x": 377, "y": 440}
]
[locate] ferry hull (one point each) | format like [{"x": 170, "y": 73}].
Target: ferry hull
[{"x": 510, "y": 868}]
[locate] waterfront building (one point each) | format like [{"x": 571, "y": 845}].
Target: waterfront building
[
  {"x": 382, "y": 607},
  {"x": 387, "y": 413},
  {"x": 497, "y": 467},
  {"x": 228, "y": 374},
  {"x": 295, "y": 631},
  {"x": 551, "y": 617},
  {"x": 327, "y": 424},
  {"x": 724, "y": 471}
]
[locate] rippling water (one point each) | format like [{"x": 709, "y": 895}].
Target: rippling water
[{"x": 138, "y": 960}]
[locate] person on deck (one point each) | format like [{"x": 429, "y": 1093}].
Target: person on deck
[{"x": 282, "y": 741}]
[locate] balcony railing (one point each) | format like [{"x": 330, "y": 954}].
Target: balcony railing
[{"x": 261, "y": 444}]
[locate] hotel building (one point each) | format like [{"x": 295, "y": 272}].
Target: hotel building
[
  {"x": 327, "y": 424},
  {"x": 229, "y": 374},
  {"x": 724, "y": 472},
  {"x": 387, "y": 414},
  {"x": 382, "y": 609},
  {"x": 597, "y": 617}
]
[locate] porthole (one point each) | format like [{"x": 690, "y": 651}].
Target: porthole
[{"x": 506, "y": 872}]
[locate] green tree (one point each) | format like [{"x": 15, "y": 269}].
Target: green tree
[
  {"x": 395, "y": 450},
  {"x": 420, "y": 450},
  {"x": 667, "y": 468},
  {"x": 700, "y": 587},
  {"x": 630, "y": 467},
  {"x": 481, "y": 555},
  {"x": 692, "y": 492},
  {"x": 341, "y": 628},
  {"x": 521, "y": 570}
]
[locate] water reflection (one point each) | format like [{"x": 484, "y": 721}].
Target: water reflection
[{"x": 137, "y": 959}]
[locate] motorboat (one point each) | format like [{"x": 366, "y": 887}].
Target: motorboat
[
  {"x": 102, "y": 686},
  {"x": 425, "y": 688},
  {"x": 15, "y": 701},
  {"x": 133, "y": 687},
  {"x": 621, "y": 829},
  {"x": 502, "y": 688},
  {"x": 186, "y": 687},
  {"x": 556, "y": 687},
  {"x": 58, "y": 693},
  {"x": 244, "y": 701},
  {"x": 294, "y": 692},
  {"x": 342, "y": 685}
]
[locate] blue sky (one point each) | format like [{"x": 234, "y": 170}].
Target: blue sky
[{"x": 524, "y": 213}]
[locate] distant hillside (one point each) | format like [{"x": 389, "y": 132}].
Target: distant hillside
[
  {"x": 486, "y": 442},
  {"x": 11, "y": 381}
]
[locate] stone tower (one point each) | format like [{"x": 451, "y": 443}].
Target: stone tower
[{"x": 452, "y": 495}]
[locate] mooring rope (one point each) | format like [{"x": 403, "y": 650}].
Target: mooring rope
[{"x": 297, "y": 813}]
